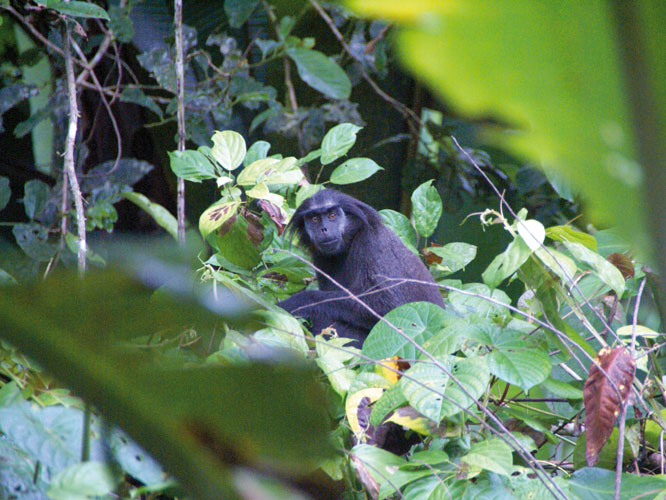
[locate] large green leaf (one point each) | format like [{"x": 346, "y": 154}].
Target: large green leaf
[
  {"x": 418, "y": 321},
  {"x": 554, "y": 72},
  {"x": 205, "y": 425},
  {"x": 35, "y": 196},
  {"x": 320, "y": 72}
]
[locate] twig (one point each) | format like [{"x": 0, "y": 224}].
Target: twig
[
  {"x": 99, "y": 88},
  {"x": 625, "y": 404},
  {"x": 180, "y": 91},
  {"x": 69, "y": 151}
]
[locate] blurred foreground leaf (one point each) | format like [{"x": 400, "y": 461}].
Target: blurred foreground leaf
[{"x": 207, "y": 424}]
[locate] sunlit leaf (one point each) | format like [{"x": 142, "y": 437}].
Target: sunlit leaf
[
  {"x": 228, "y": 149},
  {"x": 216, "y": 215},
  {"x": 491, "y": 454}
]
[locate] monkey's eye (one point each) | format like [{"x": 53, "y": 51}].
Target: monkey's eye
[
  {"x": 315, "y": 219},
  {"x": 332, "y": 215}
]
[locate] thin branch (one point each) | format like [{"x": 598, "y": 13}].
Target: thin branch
[
  {"x": 99, "y": 88},
  {"x": 69, "y": 151},
  {"x": 180, "y": 92}
]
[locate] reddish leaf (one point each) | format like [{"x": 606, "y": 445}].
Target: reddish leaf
[
  {"x": 255, "y": 231},
  {"x": 602, "y": 405},
  {"x": 623, "y": 263},
  {"x": 430, "y": 257},
  {"x": 274, "y": 213}
]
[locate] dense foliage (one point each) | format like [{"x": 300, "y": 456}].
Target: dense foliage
[{"x": 167, "y": 370}]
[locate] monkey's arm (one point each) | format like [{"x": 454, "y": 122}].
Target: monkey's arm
[{"x": 325, "y": 307}]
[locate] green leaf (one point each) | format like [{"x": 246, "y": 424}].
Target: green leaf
[
  {"x": 506, "y": 263},
  {"x": 159, "y": 214},
  {"x": 137, "y": 96},
  {"x": 387, "y": 469},
  {"x": 81, "y": 481},
  {"x": 338, "y": 141},
  {"x": 519, "y": 363},
  {"x": 426, "y": 208},
  {"x": 257, "y": 151},
  {"x": 5, "y": 192},
  {"x": 455, "y": 256},
  {"x": 260, "y": 408},
  {"x": 563, "y": 266},
  {"x": 35, "y": 197},
  {"x": 191, "y": 165},
  {"x": 492, "y": 454},
  {"x": 239, "y": 11},
  {"x": 426, "y": 382},
  {"x": 261, "y": 192},
  {"x": 606, "y": 271},
  {"x": 562, "y": 389},
  {"x": 418, "y": 320},
  {"x": 33, "y": 239},
  {"x": 332, "y": 362},
  {"x": 233, "y": 247},
  {"x": 401, "y": 226},
  {"x": 474, "y": 302},
  {"x": 228, "y": 149},
  {"x": 216, "y": 215},
  {"x": 312, "y": 155},
  {"x": 320, "y": 72},
  {"x": 592, "y": 483},
  {"x": 354, "y": 170},
  {"x": 271, "y": 171},
  {"x": 75, "y": 9},
  {"x": 568, "y": 233}
]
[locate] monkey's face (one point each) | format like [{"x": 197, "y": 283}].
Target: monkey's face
[{"x": 326, "y": 228}]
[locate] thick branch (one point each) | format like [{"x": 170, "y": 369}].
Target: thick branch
[
  {"x": 69, "y": 151},
  {"x": 180, "y": 94}
]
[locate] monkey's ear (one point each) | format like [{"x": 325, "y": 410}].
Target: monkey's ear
[{"x": 364, "y": 213}]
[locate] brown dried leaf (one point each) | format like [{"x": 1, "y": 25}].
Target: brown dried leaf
[
  {"x": 275, "y": 213},
  {"x": 623, "y": 263},
  {"x": 430, "y": 257},
  {"x": 602, "y": 405}
]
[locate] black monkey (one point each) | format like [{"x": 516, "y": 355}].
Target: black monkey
[{"x": 349, "y": 242}]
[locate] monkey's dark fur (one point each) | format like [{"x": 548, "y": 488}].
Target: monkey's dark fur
[{"x": 349, "y": 242}]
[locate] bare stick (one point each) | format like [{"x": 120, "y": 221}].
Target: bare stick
[
  {"x": 69, "y": 151},
  {"x": 180, "y": 92}
]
